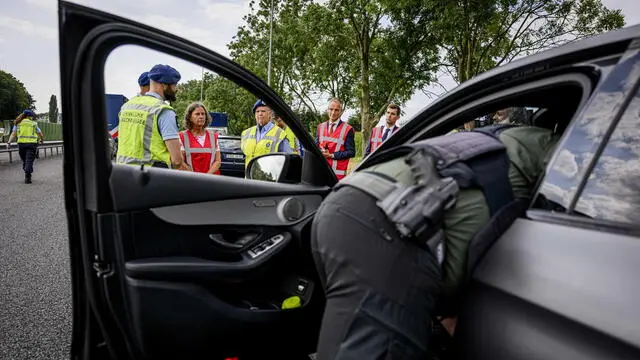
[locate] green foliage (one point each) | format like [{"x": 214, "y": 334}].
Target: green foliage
[
  {"x": 14, "y": 97},
  {"x": 478, "y": 35},
  {"x": 53, "y": 109},
  {"x": 360, "y": 144},
  {"x": 355, "y": 121}
]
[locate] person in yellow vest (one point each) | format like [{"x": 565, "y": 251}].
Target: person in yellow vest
[
  {"x": 144, "y": 83},
  {"x": 294, "y": 144},
  {"x": 27, "y": 132},
  {"x": 265, "y": 137},
  {"x": 148, "y": 130}
]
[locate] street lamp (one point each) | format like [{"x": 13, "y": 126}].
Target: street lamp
[{"x": 270, "y": 44}]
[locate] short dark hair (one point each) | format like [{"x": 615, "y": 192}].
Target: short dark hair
[{"x": 394, "y": 107}]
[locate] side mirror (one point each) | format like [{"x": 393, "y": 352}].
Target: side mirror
[{"x": 277, "y": 167}]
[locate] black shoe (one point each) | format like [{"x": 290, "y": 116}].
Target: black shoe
[{"x": 27, "y": 179}]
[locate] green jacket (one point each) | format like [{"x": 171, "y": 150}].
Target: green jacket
[{"x": 528, "y": 149}]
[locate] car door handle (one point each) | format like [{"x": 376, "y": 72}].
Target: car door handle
[
  {"x": 219, "y": 240},
  {"x": 239, "y": 244}
]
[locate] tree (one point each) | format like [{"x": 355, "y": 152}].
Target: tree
[
  {"x": 367, "y": 53},
  {"x": 395, "y": 49},
  {"x": 14, "y": 97},
  {"x": 478, "y": 35},
  {"x": 53, "y": 109}
]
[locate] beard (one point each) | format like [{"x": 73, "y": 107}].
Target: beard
[{"x": 169, "y": 95}]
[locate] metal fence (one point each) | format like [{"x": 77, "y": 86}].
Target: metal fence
[
  {"x": 52, "y": 131},
  {"x": 48, "y": 146}
]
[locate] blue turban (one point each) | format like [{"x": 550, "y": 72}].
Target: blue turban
[
  {"x": 143, "y": 80},
  {"x": 258, "y": 104},
  {"x": 29, "y": 113},
  {"x": 164, "y": 74}
]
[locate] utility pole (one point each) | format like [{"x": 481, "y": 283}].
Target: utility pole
[
  {"x": 270, "y": 45},
  {"x": 201, "y": 83}
]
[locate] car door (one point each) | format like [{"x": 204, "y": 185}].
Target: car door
[
  {"x": 560, "y": 283},
  {"x": 168, "y": 264}
]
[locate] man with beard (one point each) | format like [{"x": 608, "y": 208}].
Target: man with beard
[{"x": 148, "y": 130}]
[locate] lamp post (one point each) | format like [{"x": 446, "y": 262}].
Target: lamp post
[{"x": 270, "y": 44}]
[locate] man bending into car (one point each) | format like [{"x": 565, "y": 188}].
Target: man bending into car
[{"x": 384, "y": 287}]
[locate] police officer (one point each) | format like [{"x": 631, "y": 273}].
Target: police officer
[
  {"x": 294, "y": 144},
  {"x": 148, "y": 130},
  {"x": 382, "y": 288},
  {"x": 27, "y": 131},
  {"x": 265, "y": 137},
  {"x": 143, "y": 82}
]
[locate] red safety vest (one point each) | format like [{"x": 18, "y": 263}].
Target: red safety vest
[
  {"x": 376, "y": 136},
  {"x": 335, "y": 142},
  {"x": 199, "y": 157}
]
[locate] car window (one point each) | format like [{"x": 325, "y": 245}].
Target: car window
[
  {"x": 202, "y": 102},
  {"x": 229, "y": 144},
  {"x": 613, "y": 189},
  {"x": 573, "y": 157}
]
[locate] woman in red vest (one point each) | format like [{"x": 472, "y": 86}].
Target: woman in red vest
[{"x": 200, "y": 146}]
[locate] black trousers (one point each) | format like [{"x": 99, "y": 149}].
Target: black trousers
[
  {"x": 380, "y": 289},
  {"x": 27, "y": 154}
]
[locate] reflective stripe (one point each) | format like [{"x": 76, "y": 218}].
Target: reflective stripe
[
  {"x": 274, "y": 140},
  {"x": 128, "y": 160},
  {"x": 188, "y": 150},
  {"x": 151, "y": 111}
]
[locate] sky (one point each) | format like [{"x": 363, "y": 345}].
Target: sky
[{"x": 29, "y": 41}]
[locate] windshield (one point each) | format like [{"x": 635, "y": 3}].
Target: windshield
[{"x": 229, "y": 144}]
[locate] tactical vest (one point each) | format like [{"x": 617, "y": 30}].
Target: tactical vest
[
  {"x": 26, "y": 132},
  {"x": 268, "y": 144},
  {"x": 441, "y": 167},
  {"x": 139, "y": 139}
]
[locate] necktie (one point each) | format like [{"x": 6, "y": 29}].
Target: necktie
[
  {"x": 386, "y": 133},
  {"x": 332, "y": 127}
]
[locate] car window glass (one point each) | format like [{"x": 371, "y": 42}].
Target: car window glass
[
  {"x": 585, "y": 135},
  {"x": 225, "y": 108},
  {"x": 613, "y": 189}
]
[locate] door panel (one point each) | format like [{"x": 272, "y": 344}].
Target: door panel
[
  {"x": 549, "y": 291},
  {"x": 172, "y": 264}
]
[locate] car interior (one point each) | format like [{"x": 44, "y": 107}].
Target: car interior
[
  {"x": 197, "y": 271},
  {"x": 205, "y": 267}
]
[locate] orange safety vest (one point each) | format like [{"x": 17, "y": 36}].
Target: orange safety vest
[
  {"x": 199, "y": 157},
  {"x": 334, "y": 142},
  {"x": 376, "y": 136}
]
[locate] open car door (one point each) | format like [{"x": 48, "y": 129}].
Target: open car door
[{"x": 170, "y": 264}]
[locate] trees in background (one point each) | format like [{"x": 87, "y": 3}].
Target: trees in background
[{"x": 14, "y": 97}]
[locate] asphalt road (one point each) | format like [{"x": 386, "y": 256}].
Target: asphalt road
[{"x": 35, "y": 284}]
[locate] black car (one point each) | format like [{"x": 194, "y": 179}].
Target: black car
[
  {"x": 188, "y": 266},
  {"x": 231, "y": 155}
]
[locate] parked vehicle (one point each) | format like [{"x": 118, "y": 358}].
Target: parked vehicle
[
  {"x": 231, "y": 155},
  {"x": 168, "y": 265}
]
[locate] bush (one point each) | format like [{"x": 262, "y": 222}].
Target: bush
[{"x": 358, "y": 141}]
